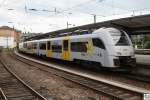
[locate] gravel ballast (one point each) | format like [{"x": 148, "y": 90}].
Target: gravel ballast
[{"x": 51, "y": 86}]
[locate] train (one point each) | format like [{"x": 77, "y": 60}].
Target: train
[{"x": 106, "y": 47}]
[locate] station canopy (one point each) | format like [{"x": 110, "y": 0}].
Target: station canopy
[{"x": 132, "y": 25}]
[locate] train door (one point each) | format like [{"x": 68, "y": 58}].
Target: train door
[
  {"x": 48, "y": 49},
  {"x": 100, "y": 51},
  {"x": 66, "y": 50}
]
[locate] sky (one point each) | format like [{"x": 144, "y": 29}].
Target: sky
[{"x": 48, "y": 15}]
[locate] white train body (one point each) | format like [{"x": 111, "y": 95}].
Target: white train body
[{"x": 108, "y": 47}]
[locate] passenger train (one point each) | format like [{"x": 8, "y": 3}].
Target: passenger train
[{"x": 105, "y": 47}]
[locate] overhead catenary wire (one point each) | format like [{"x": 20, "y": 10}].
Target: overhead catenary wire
[
  {"x": 95, "y": 6},
  {"x": 79, "y": 5},
  {"x": 70, "y": 9},
  {"x": 85, "y": 4}
]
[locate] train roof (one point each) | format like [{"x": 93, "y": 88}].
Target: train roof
[
  {"x": 61, "y": 38},
  {"x": 93, "y": 34}
]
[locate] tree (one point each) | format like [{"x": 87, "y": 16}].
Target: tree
[{"x": 147, "y": 45}]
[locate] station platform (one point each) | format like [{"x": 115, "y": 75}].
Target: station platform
[
  {"x": 142, "y": 51},
  {"x": 143, "y": 59},
  {"x": 88, "y": 74}
]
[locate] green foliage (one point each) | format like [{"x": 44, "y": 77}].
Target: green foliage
[
  {"x": 142, "y": 41},
  {"x": 7, "y": 50},
  {"x": 146, "y": 38},
  {"x": 147, "y": 45}
]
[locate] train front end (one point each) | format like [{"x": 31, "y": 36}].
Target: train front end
[{"x": 121, "y": 50}]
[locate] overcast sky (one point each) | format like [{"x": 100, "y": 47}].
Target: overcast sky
[{"x": 49, "y": 15}]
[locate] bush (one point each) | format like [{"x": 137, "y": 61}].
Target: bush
[{"x": 147, "y": 45}]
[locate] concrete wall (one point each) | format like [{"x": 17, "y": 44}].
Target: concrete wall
[{"x": 7, "y": 42}]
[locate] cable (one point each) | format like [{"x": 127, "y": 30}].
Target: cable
[
  {"x": 114, "y": 6},
  {"x": 64, "y": 11},
  {"x": 100, "y": 1},
  {"x": 81, "y": 4}
]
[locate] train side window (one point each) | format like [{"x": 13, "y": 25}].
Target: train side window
[
  {"x": 29, "y": 46},
  {"x": 98, "y": 43},
  {"x": 43, "y": 46},
  {"x": 25, "y": 45},
  {"x": 57, "y": 48},
  {"x": 48, "y": 45},
  {"x": 34, "y": 45},
  {"x": 79, "y": 46},
  {"x": 65, "y": 45}
]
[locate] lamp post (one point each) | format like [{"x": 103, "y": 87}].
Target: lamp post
[
  {"x": 7, "y": 41},
  {"x": 68, "y": 19},
  {"x": 12, "y": 34},
  {"x": 69, "y": 24},
  {"x": 94, "y": 16}
]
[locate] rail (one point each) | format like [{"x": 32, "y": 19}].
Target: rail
[
  {"x": 3, "y": 96},
  {"x": 107, "y": 89},
  {"x": 35, "y": 93}
]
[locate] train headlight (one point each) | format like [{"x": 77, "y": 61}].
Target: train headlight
[
  {"x": 118, "y": 53},
  {"x": 116, "y": 62},
  {"x": 132, "y": 54}
]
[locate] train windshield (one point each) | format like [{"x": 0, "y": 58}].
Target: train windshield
[{"x": 120, "y": 38}]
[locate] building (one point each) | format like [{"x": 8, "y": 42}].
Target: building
[{"x": 9, "y": 37}]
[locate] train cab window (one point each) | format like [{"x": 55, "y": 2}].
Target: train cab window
[
  {"x": 43, "y": 46},
  {"x": 79, "y": 46},
  {"x": 29, "y": 46},
  {"x": 65, "y": 45},
  {"x": 57, "y": 48},
  {"x": 98, "y": 43},
  {"x": 123, "y": 41},
  {"x": 48, "y": 45}
]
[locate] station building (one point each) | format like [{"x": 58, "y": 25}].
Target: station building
[{"x": 9, "y": 37}]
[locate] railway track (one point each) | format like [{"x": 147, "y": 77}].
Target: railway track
[
  {"x": 138, "y": 77},
  {"x": 13, "y": 88},
  {"x": 111, "y": 91},
  {"x": 130, "y": 75}
]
